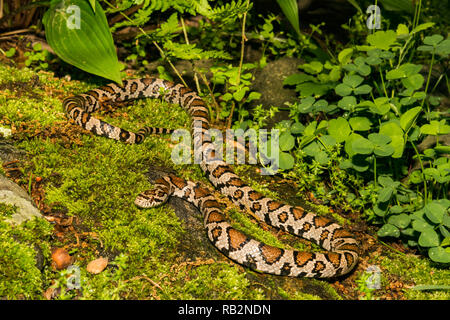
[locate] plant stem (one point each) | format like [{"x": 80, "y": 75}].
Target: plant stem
[
  {"x": 428, "y": 83},
  {"x": 382, "y": 81},
  {"x": 163, "y": 55},
  {"x": 425, "y": 191},
  {"x": 243, "y": 39},
  {"x": 187, "y": 42}
]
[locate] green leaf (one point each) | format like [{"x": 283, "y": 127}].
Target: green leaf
[
  {"x": 339, "y": 129},
  {"x": 401, "y": 220},
  {"x": 395, "y": 132},
  {"x": 297, "y": 78},
  {"x": 382, "y": 39},
  {"x": 353, "y": 80},
  {"x": 389, "y": 230},
  {"x": 286, "y": 161},
  {"x": 349, "y": 142},
  {"x": 344, "y": 56},
  {"x": 429, "y": 238},
  {"x": 347, "y": 103},
  {"x": 385, "y": 194},
  {"x": 395, "y": 74},
  {"x": 343, "y": 90},
  {"x": 287, "y": 141},
  {"x": 240, "y": 93},
  {"x": 420, "y": 225},
  {"x": 83, "y": 40},
  {"x": 92, "y": 3},
  {"x": 363, "y": 146},
  {"x": 384, "y": 150},
  {"x": 314, "y": 67},
  {"x": 290, "y": 10},
  {"x": 407, "y": 119},
  {"x": 379, "y": 139},
  {"x": 364, "y": 89},
  {"x": 297, "y": 128},
  {"x": 435, "y": 128},
  {"x": 413, "y": 82},
  {"x": 439, "y": 254},
  {"x": 433, "y": 40},
  {"x": 435, "y": 212},
  {"x": 360, "y": 123},
  {"x": 422, "y": 27}
]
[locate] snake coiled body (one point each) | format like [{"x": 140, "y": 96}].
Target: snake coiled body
[{"x": 342, "y": 248}]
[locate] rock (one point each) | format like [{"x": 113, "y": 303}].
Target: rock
[
  {"x": 12, "y": 194},
  {"x": 269, "y": 82},
  {"x": 5, "y": 132}
]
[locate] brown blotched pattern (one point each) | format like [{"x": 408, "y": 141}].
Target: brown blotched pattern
[{"x": 342, "y": 248}]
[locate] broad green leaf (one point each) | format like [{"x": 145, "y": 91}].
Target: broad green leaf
[
  {"x": 400, "y": 220},
  {"x": 395, "y": 74},
  {"x": 382, "y": 39},
  {"x": 297, "y": 78},
  {"x": 314, "y": 67},
  {"x": 82, "y": 38},
  {"x": 347, "y": 103},
  {"x": 395, "y": 132},
  {"x": 385, "y": 194},
  {"x": 420, "y": 225},
  {"x": 353, "y": 80},
  {"x": 290, "y": 10},
  {"x": 92, "y": 3},
  {"x": 435, "y": 212},
  {"x": 362, "y": 146},
  {"x": 429, "y": 238},
  {"x": 360, "y": 123},
  {"x": 286, "y": 161},
  {"x": 287, "y": 141},
  {"x": 422, "y": 27},
  {"x": 407, "y": 119},
  {"x": 398, "y": 5},
  {"x": 389, "y": 230},
  {"x": 384, "y": 150},
  {"x": 343, "y": 90},
  {"x": 364, "y": 89},
  {"x": 339, "y": 129},
  {"x": 349, "y": 142},
  {"x": 439, "y": 254},
  {"x": 402, "y": 30},
  {"x": 435, "y": 128},
  {"x": 344, "y": 56},
  {"x": 433, "y": 40},
  {"x": 297, "y": 128},
  {"x": 240, "y": 93},
  {"x": 413, "y": 82},
  {"x": 379, "y": 139}
]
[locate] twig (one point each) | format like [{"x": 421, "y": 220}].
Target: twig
[{"x": 243, "y": 39}]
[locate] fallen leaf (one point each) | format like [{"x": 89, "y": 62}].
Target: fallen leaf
[{"x": 98, "y": 265}]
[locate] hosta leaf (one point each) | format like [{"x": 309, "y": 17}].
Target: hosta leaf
[{"x": 81, "y": 37}]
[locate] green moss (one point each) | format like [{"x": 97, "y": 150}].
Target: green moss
[
  {"x": 20, "y": 276},
  {"x": 418, "y": 271}
]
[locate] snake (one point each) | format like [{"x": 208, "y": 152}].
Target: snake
[{"x": 341, "y": 249}]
